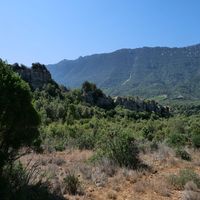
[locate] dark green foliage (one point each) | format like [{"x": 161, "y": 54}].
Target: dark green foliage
[
  {"x": 86, "y": 141},
  {"x": 183, "y": 154},
  {"x": 53, "y": 90},
  {"x": 18, "y": 128},
  {"x": 148, "y": 132},
  {"x": 67, "y": 118},
  {"x": 60, "y": 146},
  {"x": 72, "y": 184},
  {"x": 184, "y": 107},
  {"x": 120, "y": 148},
  {"x": 15, "y": 184},
  {"x": 36, "y": 66},
  {"x": 88, "y": 87},
  {"x": 18, "y": 119},
  {"x": 184, "y": 176},
  {"x": 196, "y": 141},
  {"x": 68, "y": 121},
  {"x": 177, "y": 140}
]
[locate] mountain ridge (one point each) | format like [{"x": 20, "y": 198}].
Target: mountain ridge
[
  {"x": 125, "y": 48},
  {"x": 146, "y": 71}
]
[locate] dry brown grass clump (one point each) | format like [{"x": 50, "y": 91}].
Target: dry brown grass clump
[
  {"x": 141, "y": 186},
  {"x": 112, "y": 195},
  {"x": 160, "y": 186},
  {"x": 132, "y": 175},
  {"x": 191, "y": 195},
  {"x": 191, "y": 191}
]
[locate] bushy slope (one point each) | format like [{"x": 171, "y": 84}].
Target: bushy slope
[{"x": 144, "y": 71}]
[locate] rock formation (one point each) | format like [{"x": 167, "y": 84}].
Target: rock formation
[
  {"x": 139, "y": 105},
  {"x": 37, "y": 76},
  {"x": 95, "y": 97},
  {"x": 101, "y": 101}
]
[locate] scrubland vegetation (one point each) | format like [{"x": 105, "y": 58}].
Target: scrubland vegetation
[{"x": 54, "y": 145}]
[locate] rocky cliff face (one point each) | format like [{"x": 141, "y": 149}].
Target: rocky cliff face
[
  {"x": 37, "y": 76},
  {"x": 139, "y": 105},
  {"x": 95, "y": 97},
  {"x": 101, "y": 101}
]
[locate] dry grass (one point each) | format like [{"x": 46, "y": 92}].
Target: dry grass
[
  {"x": 141, "y": 186},
  {"x": 191, "y": 195},
  {"x": 191, "y": 191},
  {"x": 161, "y": 187},
  {"x": 112, "y": 195},
  {"x": 132, "y": 175},
  {"x": 108, "y": 167},
  {"x": 106, "y": 181},
  {"x": 86, "y": 171},
  {"x": 191, "y": 186},
  {"x": 164, "y": 157},
  {"x": 99, "y": 178}
]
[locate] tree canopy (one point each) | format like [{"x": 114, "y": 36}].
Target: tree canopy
[{"x": 18, "y": 118}]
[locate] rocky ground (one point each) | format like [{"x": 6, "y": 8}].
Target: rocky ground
[{"x": 107, "y": 181}]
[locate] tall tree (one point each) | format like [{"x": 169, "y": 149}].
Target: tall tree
[{"x": 18, "y": 118}]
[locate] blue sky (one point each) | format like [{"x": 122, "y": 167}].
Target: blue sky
[{"x": 48, "y": 31}]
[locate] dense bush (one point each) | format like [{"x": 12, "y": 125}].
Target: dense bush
[
  {"x": 72, "y": 184},
  {"x": 177, "y": 139},
  {"x": 120, "y": 148},
  {"x": 86, "y": 141},
  {"x": 18, "y": 119},
  {"x": 148, "y": 132},
  {"x": 196, "y": 141},
  {"x": 183, "y": 154},
  {"x": 88, "y": 87}
]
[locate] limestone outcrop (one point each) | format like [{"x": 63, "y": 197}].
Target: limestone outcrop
[
  {"x": 37, "y": 76},
  {"x": 95, "y": 97},
  {"x": 139, "y": 105}
]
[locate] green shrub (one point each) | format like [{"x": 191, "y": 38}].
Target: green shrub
[
  {"x": 148, "y": 132},
  {"x": 88, "y": 86},
  {"x": 177, "y": 140},
  {"x": 184, "y": 176},
  {"x": 19, "y": 120},
  {"x": 120, "y": 148},
  {"x": 60, "y": 146},
  {"x": 72, "y": 183},
  {"x": 183, "y": 154},
  {"x": 196, "y": 141},
  {"x": 85, "y": 141}
]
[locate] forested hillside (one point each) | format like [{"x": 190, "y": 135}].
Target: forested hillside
[{"x": 147, "y": 72}]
